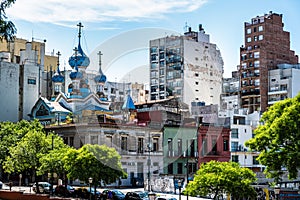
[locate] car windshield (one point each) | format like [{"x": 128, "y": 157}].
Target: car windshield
[
  {"x": 118, "y": 192},
  {"x": 143, "y": 194},
  {"x": 69, "y": 187}
]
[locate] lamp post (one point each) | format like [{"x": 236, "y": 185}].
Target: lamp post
[
  {"x": 179, "y": 187},
  {"x": 90, "y": 183},
  {"x": 149, "y": 161},
  {"x": 187, "y": 166}
]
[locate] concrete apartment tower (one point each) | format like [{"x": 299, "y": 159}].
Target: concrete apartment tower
[
  {"x": 266, "y": 46},
  {"x": 188, "y": 67}
]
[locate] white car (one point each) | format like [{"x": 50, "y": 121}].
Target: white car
[
  {"x": 1, "y": 184},
  {"x": 44, "y": 187}
]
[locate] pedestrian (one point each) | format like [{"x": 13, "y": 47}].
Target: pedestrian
[{"x": 109, "y": 195}]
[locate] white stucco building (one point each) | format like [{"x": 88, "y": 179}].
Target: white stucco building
[
  {"x": 283, "y": 82},
  {"x": 20, "y": 82},
  {"x": 187, "y": 66}
]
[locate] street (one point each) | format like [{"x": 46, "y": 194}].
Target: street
[{"x": 124, "y": 190}]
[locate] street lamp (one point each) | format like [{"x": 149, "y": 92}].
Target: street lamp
[
  {"x": 90, "y": 183},
  {"x": 149, "y": 160},
  {"x": 179, "y": 187}
]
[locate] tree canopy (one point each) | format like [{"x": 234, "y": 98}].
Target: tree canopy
[
  {"x": 27, "y": 153},
  {"x": 219, "y": 178},
  {"x": 7, "y": 28},
  {"x": 97, "y": 161},
  {"x": 278, "y": 139}
]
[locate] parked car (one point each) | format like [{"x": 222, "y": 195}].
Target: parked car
[
  {"x": 116, "y": 195},
  {"x": 165, "y": 198},
  {"x": 1, "y": 184},
  {"x": 44, "y": 187},
  {"x": 62, "y": 190},
  {"x": 85, "y": 192},
  {"x": 137, "y": 195}
]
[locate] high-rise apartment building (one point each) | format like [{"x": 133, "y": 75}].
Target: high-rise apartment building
[
  {"x": 283, "y": 82},
  {"x": 266, "y": 46},
  {"x": 186, "y": 66}
]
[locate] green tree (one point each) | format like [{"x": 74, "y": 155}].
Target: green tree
[
  {"x": 102, "y": 163},
  {"x": 53, "y": 162},
  {"x": 26, "y": 154},
  {"x": 218, "y": 178},
  {"x": 7, "y": 28},
  {"x": 11, "y": 133},
  {"x": 278, "y": 139}
]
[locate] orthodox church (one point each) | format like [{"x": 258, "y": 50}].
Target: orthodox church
[{"x": 79, "y": 100}]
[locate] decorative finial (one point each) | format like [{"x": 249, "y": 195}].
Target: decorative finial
[
  {"x": 100, "y": 54},
  {"x": 79, "y": 30},
  {"x": 58, "y": 54}
]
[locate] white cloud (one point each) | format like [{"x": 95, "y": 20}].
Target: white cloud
[{"x": 65, "y": 11}]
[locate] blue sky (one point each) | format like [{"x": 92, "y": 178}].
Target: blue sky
[{"x": 121, "y": 29}]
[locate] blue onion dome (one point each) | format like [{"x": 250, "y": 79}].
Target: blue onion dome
[
  {"x": 75, "y": 74},
  {"x": 79, "y": 58},
  {"x": 101, "y": 78},
  {"x": 57, "y": 77}
]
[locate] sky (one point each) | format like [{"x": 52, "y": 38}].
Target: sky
[{"x": 121, "y": 29}]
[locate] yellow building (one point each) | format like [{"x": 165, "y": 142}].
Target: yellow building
[{"x": 14, "y": 47}]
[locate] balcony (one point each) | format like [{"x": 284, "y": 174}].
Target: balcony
[{"x": 274, "y": 92}]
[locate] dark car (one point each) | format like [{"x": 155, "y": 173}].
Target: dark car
[
  {"x": 116, "y": 195},
  {"x": 62, "y": 190},
  {"x": 85, "y": 193},
  {"x": 137, "y": 195}
]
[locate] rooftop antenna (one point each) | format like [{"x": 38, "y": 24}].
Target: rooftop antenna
[{"x": 186, "y": 27}]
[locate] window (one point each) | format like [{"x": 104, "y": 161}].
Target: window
[
  {"x": 225, "y": 145},
  {"x": 260, "y": 37},
  {"x": 197, "y": 83},
  {"x": 71, "y": 141},
  {"x": 256, "y": 54},
  {"x": 235, "y": 158},
  {"x": 153, "y": 49},
  {"x": 255, "y": 38},
  {"x": 179, "y": 168},
  {"x": 179, "y": 146},
  {"x": 124, "y": 143},
  {"x": 234, "y": 146},
  {"x": 94, "y": 139},
  {"x": 140, "y": 145},
  {"x": 170, "y": 168},
  {"x": 249, "y": 39},
  {"x": 255, "y": 161},
  {"x": 260, "y": 28},
  {"x": 170, "y": 147},
  {"x": 214, "y": 145},
  {"x": 196, "y": 74},
  {"x": 155, "y": 144},
  {"x": 234, "y": 133},
  {"x": 256, "y": 63},
  {"x": 192, "y": 148},
  {"x": 248, "y": 30},
  {"x": 204, "y": 146}
]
